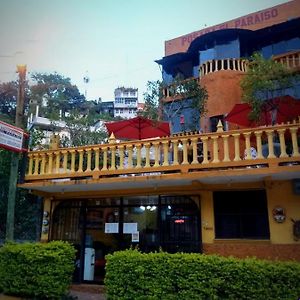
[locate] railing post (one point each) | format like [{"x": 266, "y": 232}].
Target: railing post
[
  {"x": 138, "y": 156},
  {"x": 50, "y": 163},
  {"x": 96, "y": 151},
  {"x": 237, "y": 154},
  {"x": 57, "y": 161},
  {"x": 204, "y": 140},
  {"x": 65, "y": 159},
  {"x": 30, "y": 166},
  {"x": 147, "y": 147},
  {"x": 226, "y": 148},
  {"x": 73, "y": 153},
  {"x": 258, "y": 135},
  {"x": 195, "y": 150},
  {"x": 270, "y": 143},
  {"x": 129, "y": 149},
  {"x": 282, "y": 143},
  {"x": 222, "y": 64},
  {"x": 112, "y": 157},
  {"x": 80, "y": 166},
  {"x": 104, "y": 167},
  {"x": 215, "y": 149},
  {"x": 175, "y": 152},
  {"x": 294, "y": 141},
  {"x": 36, "y": 164},
  {"x": 166, "y": 153},
  {"x": 43, "y": 163},
  {"x": 89, "y": 160},
  {"x": 121, "y": 156},
  {"x": 156, "y": 149},
  {"x": 184, "y": 152},
  {"x": 248, "y": 145}
]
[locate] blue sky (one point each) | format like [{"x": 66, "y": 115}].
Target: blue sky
[{"x": 113, "y": 42}]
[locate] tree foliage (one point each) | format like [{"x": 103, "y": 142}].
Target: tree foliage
[
  {"x": 183, "y": 94},
  {"x": 265, "y": 79},
  {"x": 57, "y": 92}
]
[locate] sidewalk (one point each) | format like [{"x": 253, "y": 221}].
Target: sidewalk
[{"x": 87, "y": 291}]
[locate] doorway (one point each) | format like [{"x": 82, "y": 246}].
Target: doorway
[{"x": 98, "y": 227}]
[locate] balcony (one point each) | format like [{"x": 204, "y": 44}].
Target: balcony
[
  {"x": 192, "y": 159},
  {"x": 291, "y": 60},
  {"x": 215, "y": 65},
  {"x": 174, "y": 92}
]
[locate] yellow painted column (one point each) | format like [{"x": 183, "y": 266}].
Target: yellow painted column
[{"x": 46, "y": 220}]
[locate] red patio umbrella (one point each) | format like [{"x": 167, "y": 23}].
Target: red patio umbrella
[
  {"x": 138, "y": 128},
  {"x": 276, "y": 110}
]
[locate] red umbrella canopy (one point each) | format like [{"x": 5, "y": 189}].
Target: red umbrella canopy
[
  {"x": 138, "y": 128},
  {"x": 277, "y": 110}
]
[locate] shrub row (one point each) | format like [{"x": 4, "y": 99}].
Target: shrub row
[
  {"x": 36, "y": 270},
  {"x": 134, "y": 275}
]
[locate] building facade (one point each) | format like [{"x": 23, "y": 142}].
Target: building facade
[
  {"x": 126, "y": 102},
  {"x": 218, "y": 58},
  {"x": 200, "y": 192}
]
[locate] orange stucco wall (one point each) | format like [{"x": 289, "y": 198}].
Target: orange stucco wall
[
  {"x": 224, "y": 92},
  {"x": 253, "y": 21}
]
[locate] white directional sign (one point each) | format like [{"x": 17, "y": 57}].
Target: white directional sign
[{"x": 11, "y": 137}]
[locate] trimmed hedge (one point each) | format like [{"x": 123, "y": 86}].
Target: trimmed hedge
[
  {"x": 36, "y": 270},
  {"x": 134, "y": 275}
]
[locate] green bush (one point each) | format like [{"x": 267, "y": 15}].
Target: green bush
[
  {"x": 134, "y": 275},
  {"x": 36, "y": 270}
]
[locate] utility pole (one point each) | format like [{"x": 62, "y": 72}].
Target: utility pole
[{"x": 15, "y": 156}]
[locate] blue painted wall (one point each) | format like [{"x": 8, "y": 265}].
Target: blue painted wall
[{"x": 281, "y": 47}]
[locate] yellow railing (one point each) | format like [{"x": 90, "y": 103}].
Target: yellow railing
[{"x": 176, "y": 154}]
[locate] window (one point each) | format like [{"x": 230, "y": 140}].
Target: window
[{"x": 241, "y": 215}]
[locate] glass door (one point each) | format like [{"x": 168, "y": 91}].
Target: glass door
[{"x": 180, "y": 225}]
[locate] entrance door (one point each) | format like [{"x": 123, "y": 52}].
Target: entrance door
[
  {"x": 98, "y": 243},
  {"x": 180, "y": 225}
]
